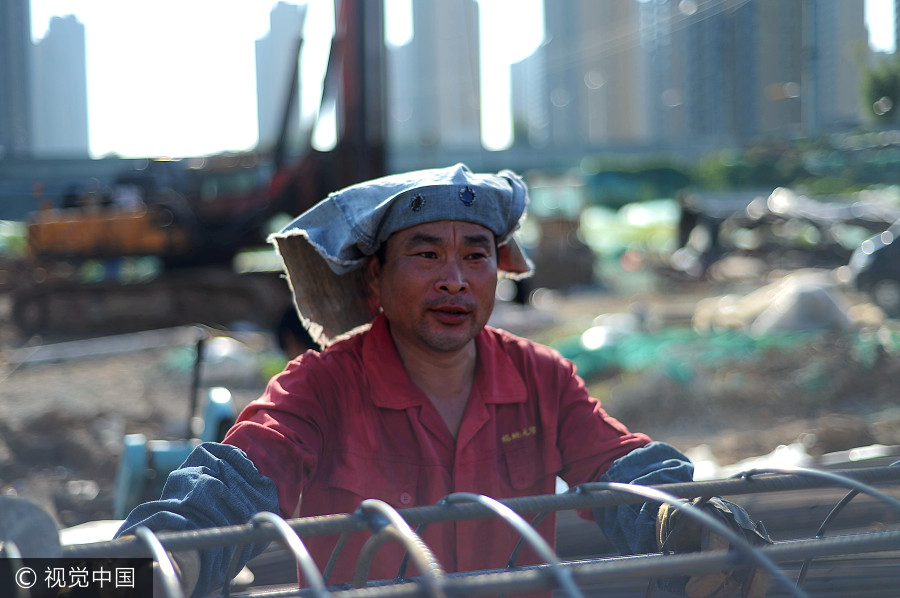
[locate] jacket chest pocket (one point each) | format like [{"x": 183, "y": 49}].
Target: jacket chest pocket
[
  {"x": 528, "y": 466},
  {"x": 395, "y": 483}
]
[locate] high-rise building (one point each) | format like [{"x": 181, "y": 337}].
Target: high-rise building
[
  {"x": 690, "y": 75},
  {"x": 665, "y": 72},
  {"x": 15, "y": 86},
  {"x": 841, "y": 39},
  {"x": 896, "y": 25},
  {"x": 595, "y": 72},
  {"x": 401, "y": 99},
  {"x": 759, "y": 68},
  {"x": 722, "y": 73},
  {"x": 530, "y": 114},
  {"x": 780, "y": 60},
  {"x": 439, "y": 88},
  {"x": 275, "y": 57},
  {"x": 59, "y": 91}
]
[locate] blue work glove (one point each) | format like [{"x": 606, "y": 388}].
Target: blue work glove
[{"x": 679, "y": 533}]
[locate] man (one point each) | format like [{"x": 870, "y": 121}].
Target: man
[{"x": 414, "y": 397}]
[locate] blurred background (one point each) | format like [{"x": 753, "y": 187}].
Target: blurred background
[
  {"x": 713, "y": 197},
  {"x": 641, "y": 126}
]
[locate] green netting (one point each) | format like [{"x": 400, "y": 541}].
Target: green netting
[{"x": 680, "y": 353}]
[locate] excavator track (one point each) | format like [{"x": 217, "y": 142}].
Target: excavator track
[{"x": 210, "y": 296}]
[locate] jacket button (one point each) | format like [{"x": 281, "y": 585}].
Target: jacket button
[{"x": 405, "y": 498}]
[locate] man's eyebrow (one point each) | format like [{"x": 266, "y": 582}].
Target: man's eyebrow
[
  {"x": 479, "y": 239},
  {"x": 422, "y": 239},
  {"x": 430, "y": 239}
]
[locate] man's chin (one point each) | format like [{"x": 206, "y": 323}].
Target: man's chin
[{"x": 449, "y": 341}]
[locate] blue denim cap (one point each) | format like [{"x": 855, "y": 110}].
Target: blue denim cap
[{"x": 324, "y": 248}]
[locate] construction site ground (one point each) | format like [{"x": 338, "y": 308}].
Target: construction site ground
[{"x": 63, "y": 417}]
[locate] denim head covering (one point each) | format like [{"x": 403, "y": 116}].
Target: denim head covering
[{"x": 325, "y": 248}]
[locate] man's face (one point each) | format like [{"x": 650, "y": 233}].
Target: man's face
[{"x": 436, "y": 284}]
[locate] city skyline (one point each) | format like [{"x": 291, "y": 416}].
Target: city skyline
[
  {"x": 224, "y": 90},
  {"x": 193, "y": 123}
]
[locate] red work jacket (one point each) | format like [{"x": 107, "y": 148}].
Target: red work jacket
[{"x": 348, "y": 424}]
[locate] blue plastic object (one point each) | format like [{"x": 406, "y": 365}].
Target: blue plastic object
[{"x": 145, "y": 464}]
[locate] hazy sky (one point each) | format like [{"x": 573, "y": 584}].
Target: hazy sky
[{"x": 177, "y": 77}]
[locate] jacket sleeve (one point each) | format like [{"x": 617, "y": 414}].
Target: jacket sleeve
[
  {"x": 216, "y": 486},
  {"x": 632, "y": 528}
]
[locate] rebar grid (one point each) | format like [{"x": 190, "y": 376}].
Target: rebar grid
[
  {"x": 607, "y": 570},
  {"x": 554, "y": 574}
]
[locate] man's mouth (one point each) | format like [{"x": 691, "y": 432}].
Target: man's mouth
[
  {"x": 450, "y": 314},
  {"x": 453, "y": 309}
]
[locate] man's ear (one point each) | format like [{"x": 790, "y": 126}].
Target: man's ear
[{"x": 373, "y": 273}]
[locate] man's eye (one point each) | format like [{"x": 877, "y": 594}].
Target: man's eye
[{"x": 427, "y": 254}]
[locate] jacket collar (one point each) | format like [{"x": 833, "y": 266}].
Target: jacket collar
[{"x": 496, "y": 378}]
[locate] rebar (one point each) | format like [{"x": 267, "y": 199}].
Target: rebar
[
  {"x": 705, "y": 519},
  {"x": 340, "y": 523},
  {"x": 297, "y": 548},
  {"x": 527, "y": 532},
  {"x": 837, "y": 480},
  {"x": 387, "y": 524},
  {"x": 168, "y": 577},
  {"x": 10, "y": 552},
  {"x": 854, "y": 492},
  {"x": 432, "y": 572},
  {"x": 613, "y": 569}
]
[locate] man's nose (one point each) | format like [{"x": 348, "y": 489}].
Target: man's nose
[{"x": 451, "y": 279}]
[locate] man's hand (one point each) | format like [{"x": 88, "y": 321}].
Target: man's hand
[{"x": 679, "y": 533}]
